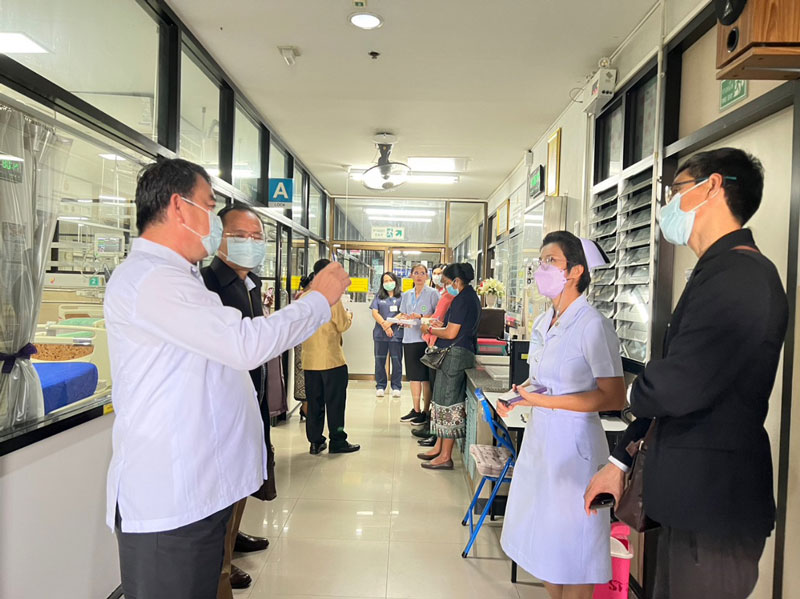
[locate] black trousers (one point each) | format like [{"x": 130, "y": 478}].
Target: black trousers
[
  {"x": 184, "y": 563},
  {"x": 326, "y": 390},
  {"x": 697, "y": 565}
]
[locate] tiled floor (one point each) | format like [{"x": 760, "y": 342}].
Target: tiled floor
[{"x": 371, "y": 524}]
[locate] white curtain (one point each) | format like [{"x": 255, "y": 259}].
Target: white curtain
[{"x": 32, "y": 160}]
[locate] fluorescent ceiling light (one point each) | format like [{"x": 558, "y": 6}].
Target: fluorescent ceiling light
[
  {"x": 112, "y": 199},
  {"x": 390, "y": 212},
  {"x": 112, "y": 157},
  {"x": 366, "y": 20},
  {"x": 19, "y": 43},
  {"x": 430, "y": 178},
  {"x": 73, "y": 218},
  {"x": 11, "y": 158},
  {"x": 400, "y": 220},
  {"x": 85, "y": 201},
  {"x": 435, "y": 179},
  {"x": 436, "y": 164}
]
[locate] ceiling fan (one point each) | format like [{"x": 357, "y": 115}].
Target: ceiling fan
[{"x": 385, "y": 174}]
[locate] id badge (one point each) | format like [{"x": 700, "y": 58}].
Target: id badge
[{"x": 392, "y": 308}]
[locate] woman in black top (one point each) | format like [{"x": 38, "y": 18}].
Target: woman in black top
[{"x": 460, "y": 333}]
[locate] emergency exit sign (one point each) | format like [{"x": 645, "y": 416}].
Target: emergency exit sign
[
  {"x": 390, "y": 233},
  {"x": 731, "y": 91}
]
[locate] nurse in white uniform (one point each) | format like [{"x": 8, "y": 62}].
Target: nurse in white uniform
[{"x": 575, "y": 354}]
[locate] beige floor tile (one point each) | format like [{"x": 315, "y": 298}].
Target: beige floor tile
[
  {"x": 531, "y": 590},
  {"x": 432, "y": 522},
  {"x": 266, "y": 518},
  {"x": 339, "y": 520},
  {"x": 437, "y": 571},
  {"x": 324, "y": 568},
  {"x": 412, "y": 483},
  {"x": 349, "y": 484}
]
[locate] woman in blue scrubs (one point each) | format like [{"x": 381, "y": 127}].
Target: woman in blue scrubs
[
  {"x": 388, "y": 337},
  {"x": 574, "y": 354}
]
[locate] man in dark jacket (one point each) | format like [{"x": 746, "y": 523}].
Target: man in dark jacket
[
  {"x": 230, "y": 276},
  {"x": 708, "y": 474}
]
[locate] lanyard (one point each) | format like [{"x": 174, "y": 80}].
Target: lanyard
[{"x": 416, "y": 299}]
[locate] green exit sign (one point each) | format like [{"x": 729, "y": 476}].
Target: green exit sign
[
  {"x": 537, "y": 181},
  {"x": 11, "y": 169},
  {"x": 94, "y": 281},
  {"x": 731, "y": 91}
]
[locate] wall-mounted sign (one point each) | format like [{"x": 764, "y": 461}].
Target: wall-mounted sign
[
  {"x": 731, "y": 91},
  {"x": 391, "y": 233},
  {"x": 537, "y": 182},
  {"x": 281, "y": 192},
  {"x": 358, "y": 285},
  {"x": 11, "y": 168}
]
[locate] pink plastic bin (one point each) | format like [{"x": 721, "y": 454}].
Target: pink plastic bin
[{"x": 617, "y": 587}]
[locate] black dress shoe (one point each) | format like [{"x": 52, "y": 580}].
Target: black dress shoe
[
  {"x": 422, "y": 432},
  {"x": 429, "y": 442},
  {"x": 239, "y": 578},
  {"x": 245, "y": 543},
  {"x": 346, "y": 448},
  {"x": 318, "y": 448}
]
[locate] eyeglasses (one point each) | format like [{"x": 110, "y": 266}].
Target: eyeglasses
[
  {"x": 243, "y": 235},
  {"x": 675, "y": 186},
  {"x": 549, "y": 261}
]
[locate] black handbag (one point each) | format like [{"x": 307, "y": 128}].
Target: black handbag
[
  {"x": 630, "y": 508},
  {"x": 434, "y": 356}
]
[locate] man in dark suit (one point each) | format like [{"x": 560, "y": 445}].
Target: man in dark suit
[
  {"x": 708, "y": 474},
  {"x": 230, "y": 276}
]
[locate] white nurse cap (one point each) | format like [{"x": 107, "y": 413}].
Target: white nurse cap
[{"x": 595, "y": 256}]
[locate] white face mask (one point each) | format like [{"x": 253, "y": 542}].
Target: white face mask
[{"x": 437, "y": 280}]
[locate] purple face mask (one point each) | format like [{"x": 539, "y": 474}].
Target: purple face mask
[{"x": 550, "y": 280}]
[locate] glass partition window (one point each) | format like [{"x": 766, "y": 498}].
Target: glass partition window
[
  {"x": 106, "y": 53},
  {"x": 199, "y": 125},
  {"x": 82, "y": 194},
  {"x": 270, "y": 266},
  {"x": 246, "y": 155},
  {"x": 316, "y": 211},
  {"x": 277, "y": 162},
  {"x": 643, "y": 120},
  {"x": 466, "y": 229},
  {"x": 609, "y": 151},
  {"x": 298, "y": 203},
  {"x": 392, "y": 221},
  {"x": 316, "y": 251}
]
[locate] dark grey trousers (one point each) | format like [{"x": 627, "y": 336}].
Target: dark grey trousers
[
  {"x": 184, "y": 563},
  {"x": 696, "y": 565}
]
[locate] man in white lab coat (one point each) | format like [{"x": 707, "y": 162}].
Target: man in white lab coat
[{"x": 188, "y": 437}]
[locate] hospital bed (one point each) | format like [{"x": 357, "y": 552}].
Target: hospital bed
[{"x": 72, "y": 362}]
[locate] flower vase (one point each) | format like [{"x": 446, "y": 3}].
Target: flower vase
[{"x": 491, "y": 300}]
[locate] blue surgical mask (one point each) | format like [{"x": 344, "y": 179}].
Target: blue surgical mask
[
  {"x": 247, "y": 253},
  {"x": 214, "y": 238},
  {"x": 452, "y": 290},
  {"x": 676, "y": 225}
]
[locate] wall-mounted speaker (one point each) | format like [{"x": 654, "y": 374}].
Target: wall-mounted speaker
[{"x": 758, "y": 39}]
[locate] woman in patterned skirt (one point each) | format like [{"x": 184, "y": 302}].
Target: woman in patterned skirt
[{"x": 459, "y": 332}]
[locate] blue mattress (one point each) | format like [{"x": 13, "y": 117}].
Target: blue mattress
[{"x": 64, "y": 383}]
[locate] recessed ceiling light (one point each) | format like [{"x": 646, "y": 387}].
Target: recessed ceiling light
[
  {"x": 19, "y": 43},
  {"x": 366, "y": 20}
]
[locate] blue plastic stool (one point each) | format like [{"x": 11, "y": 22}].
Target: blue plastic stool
[{"x": 503, "y": 439}]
